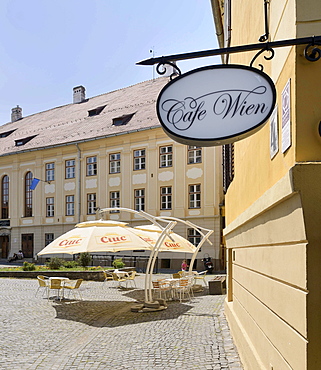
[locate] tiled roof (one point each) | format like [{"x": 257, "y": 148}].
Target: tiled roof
[{"x": 71, "y": 123}]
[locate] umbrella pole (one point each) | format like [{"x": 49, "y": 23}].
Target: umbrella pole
[
  {"x": 199, "y": 246},
  {"x": 151, "y": 262}
]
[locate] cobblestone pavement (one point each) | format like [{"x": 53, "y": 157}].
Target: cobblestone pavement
[{"x": 101, "y": 332}]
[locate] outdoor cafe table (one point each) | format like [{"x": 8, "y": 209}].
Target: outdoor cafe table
[{"x": 63, "y": 281}]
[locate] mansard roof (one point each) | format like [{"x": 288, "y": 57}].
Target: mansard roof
[{"x": 85, "y": 121}]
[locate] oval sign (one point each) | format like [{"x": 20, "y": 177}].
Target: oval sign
[{"x": 216, "y": 105}]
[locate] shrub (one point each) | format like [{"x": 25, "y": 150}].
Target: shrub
[
  {"x": 28, "y": 266},
  {"x": 70, "y": 264},
  {"x": 84, "y": 259},
  {"x": 55, "y": 263},
  {"x": 118, "y": 263}
]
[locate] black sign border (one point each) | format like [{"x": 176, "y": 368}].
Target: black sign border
[{"x": 224, "y": 139}]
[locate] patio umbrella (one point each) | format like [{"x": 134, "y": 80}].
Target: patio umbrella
[
  {"x": 173, "y": 243},
  {"x": 97, "y": 236}
]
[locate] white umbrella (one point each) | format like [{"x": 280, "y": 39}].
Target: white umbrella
[
  {"x": 97, "y": 236},
  {"x": 171, "y": 243}
]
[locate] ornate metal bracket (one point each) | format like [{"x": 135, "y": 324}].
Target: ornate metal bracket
[
  {"x": 161, "y": 68},
  {"x": 266, "y": 49},
  {"x": 314, "y": 54}
]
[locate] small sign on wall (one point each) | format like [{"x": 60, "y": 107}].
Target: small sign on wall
[
  {"x": 274, "y": 133},
  {"x": 286, "y": 117}
]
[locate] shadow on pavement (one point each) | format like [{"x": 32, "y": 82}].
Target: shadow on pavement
[{"x": 113, "y": 313}]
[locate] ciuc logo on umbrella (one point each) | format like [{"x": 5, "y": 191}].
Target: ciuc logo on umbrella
[
  {"x": 172, "y": 245},
  {"x": 70, "y": 242},
  {"x": 114, "y": 239}
]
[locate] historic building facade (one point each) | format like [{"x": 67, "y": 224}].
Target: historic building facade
[
  {"x": 105, "y": 151},
  {"x": 272, "y": 202}
]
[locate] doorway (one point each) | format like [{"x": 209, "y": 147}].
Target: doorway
[
  {"x": 4, "y": 246},
  {"x": 27, "y": 245}
]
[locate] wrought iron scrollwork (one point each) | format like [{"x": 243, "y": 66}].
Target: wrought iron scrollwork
[
  {"x": 162, "y": 69},
  {"x": 314, "y": 54},
  {"x": 266, "y": 49}
]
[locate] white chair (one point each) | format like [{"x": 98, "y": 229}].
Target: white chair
[
  {"x": 183, "y": 289},
  {"x": 131, "y": 278},
  {"x": 161, "y": 287},
  {"x": 200, "y": 276}
]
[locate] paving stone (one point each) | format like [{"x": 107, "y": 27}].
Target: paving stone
[{"x": 102, "y": 332}]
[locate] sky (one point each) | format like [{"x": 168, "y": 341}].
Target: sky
[{"x": 48, "y": 47}]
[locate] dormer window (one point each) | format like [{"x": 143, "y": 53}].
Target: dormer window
[
  {"x": 24, "y": 141},
  {"x": 96, "y": 111},
  {"x": 123, "y": 120},
  {"x": 5, "y": 134}
]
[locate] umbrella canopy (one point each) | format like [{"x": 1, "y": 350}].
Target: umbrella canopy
[
  {"x": 97, "y": 236},
  {"x": 176, "y": 243}
]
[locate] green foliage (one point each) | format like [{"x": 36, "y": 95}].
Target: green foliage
[
  {"x": 84, "y": 259},
  {"x": 118, "y": 263},
  {"x": 70, "y": 264},
  {"x": 28, "y": 266},
  {"x": 55, "y": 263}
]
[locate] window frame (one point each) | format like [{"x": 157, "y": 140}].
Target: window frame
[
  {"x": 166, "y": 157},
  {"x": 28, "y": 199},
  {"x": 114, "y": 202},
  {"x": 70, "y": 204},
  {"x": 192, "y": 156},
  {"x": 139, "y": 160},
  {"x": 70, "y": 169},
  {"x": 5, "y": 197},
  {"x": 91, "y": 166},
  {"x": 50, "y": 171},
  {"x": 91, "y": 203},
  {"x": 194, "y": 196},
  {"x": 114, "y": 163},
  {"x": 166, "y": 198},
  {"x": 48, "y": 239},
  {"x": 50, "y": 207},
  {"x": 139, "y": 199},
  {"x": 193, "y": 236}
]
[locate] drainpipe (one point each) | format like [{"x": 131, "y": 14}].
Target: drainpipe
[{"x": 79, "y": 181}]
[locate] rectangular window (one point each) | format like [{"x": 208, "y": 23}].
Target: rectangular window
[
  {"x": 193, "y": 236},
  {"x": 91, "y": 204},
  {"x": 91, "y": 166},
  {"x": 194, "y": 154},
  {"x": 50, "y": 171},
  {"x": 114, "y": 163},
  {"x": 139, "y": 199},
  {"x": 194, "y": 193},
  {"x": 114, "y": 200},
  {"x": 70, "y": 205},
  {"x": 70, "y": 167},
  {"x": 50, "y": 207},
  {"x": 139, "y": 159},
  {"x": 166, "y": 197},
  {"x": 49, "y": 237},
  {"x": 166, "y": 156}
]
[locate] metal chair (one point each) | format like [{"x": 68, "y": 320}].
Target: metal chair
[
  {"x": 131, "y": 278},
  {"x": 118, "y": 279},
  {"x": 55, "y": 284},
  {"x": 162, "y": 288},
  {"x": 74, "y": 288},
  {"x": 183, "y": 288},
  {"x": 200, "y": 276},
  {"x": 42, "y": 284}
]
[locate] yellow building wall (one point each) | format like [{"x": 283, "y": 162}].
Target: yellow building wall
[
  {"x": 179, "y": 176},
  {"x": 272, "y": 205}
]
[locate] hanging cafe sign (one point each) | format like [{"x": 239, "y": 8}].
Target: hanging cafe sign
[
  {"x": 220, "y": 104},
  {"x": 216, "y": 105}
]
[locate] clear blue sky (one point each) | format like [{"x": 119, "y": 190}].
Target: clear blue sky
[{"x": 49, "y": 46}]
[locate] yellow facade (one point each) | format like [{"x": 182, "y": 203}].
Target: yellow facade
[
  {"x": 272, "y": 205},
  {"x": 178, "y": 176}
]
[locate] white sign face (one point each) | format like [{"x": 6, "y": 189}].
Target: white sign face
[{"x": 216, "y": 105}]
